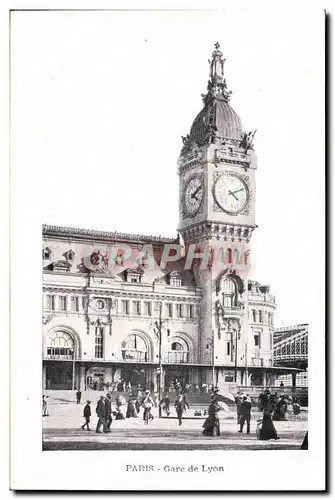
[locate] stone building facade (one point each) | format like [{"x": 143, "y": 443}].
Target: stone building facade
[{"x": 112, "y": 311}]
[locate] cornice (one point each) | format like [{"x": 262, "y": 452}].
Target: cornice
[{"x": 91, "y": 234}]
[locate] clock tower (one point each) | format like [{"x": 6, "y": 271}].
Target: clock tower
[{"x": 217, "y": 217}]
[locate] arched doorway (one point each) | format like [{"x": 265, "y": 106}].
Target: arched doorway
[
  {"x": 59, "y": 350},
  {"x": 135, "y": 354},
  {"x": 178, "y": 374}
]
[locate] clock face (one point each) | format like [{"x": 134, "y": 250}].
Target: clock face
[
  {"x": 231, "y": 193},
  {"x": 193, "y": 195}
]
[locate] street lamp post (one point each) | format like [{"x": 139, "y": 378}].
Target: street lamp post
[
  {"x": 213, "y": 362},
  {"x": 158, "y": 328}
]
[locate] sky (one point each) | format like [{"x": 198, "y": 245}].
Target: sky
[{"x": 100, "y": 101}]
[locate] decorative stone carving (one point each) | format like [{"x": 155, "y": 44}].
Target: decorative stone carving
[
  {"x": 46, "y": 319},
  {"x": 247, "y": 140}
]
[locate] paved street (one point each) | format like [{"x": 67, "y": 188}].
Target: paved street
[{"x": 61, "y": 431}]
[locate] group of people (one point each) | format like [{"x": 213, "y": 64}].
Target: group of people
[{"x": 105, "y": 412}]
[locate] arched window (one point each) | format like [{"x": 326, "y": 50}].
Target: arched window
[
  {"x": 178, "y": 351},
  {"x": 228, "y": 287},
  {"x": 60, "y": 345},
  {"x": 134, "y": 348}
]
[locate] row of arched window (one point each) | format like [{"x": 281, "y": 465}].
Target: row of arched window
[{"x": 61, "y": 345}]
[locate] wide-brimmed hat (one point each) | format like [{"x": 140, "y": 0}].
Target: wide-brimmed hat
[{"x": 88, "y": 401}]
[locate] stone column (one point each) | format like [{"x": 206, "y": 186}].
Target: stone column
[
  {"x": 82, "y": 381},
  {"x": 109, "y": 374},
  {"x": 294, "y": 379},
  {"x": 264, "y": 378},
  {"x": 44, "y": 377}
]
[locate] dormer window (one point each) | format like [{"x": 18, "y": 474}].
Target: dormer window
[
  {"x": 175, "y": 279},
  {"x": 70, "y": 255},
  {"x": 134, "y": 275},
  {"x": 46, "y": 253}
]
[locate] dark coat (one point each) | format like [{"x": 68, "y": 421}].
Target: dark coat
[
  {"x": 87, "y": 411},
  {"x": 108, "y": 406},
  {"x": 101, "y": 409},
  {"x": 245, "y": 409}
]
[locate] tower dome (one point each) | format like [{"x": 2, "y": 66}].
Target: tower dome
[
  {"x": 226, "y": 123},
  {"x": 217, "y": 122}
]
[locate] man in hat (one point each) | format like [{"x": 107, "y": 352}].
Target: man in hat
[
  {"x": 78, "y": 396},
  {"x": 87, "y": 415},
  {"x": 101, "y": 413},
  {"x": 108, "y": 407},
  {"x": 245, "y": 414}
]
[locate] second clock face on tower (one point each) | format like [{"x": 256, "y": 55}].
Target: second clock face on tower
[
  {"x": 231, "y": 193},
  {"x": 193, "y": 194}
]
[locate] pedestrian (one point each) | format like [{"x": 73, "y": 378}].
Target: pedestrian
[
  {"x": 45, "y": 412},
  {"x": 78, "y": 396},
  {"x": 108, "y": 406},
  {"x": 180, "y": 406},
  {"x": 165, "y": 403},
  {"x": 101, "y": 413},
  {"x": 238, "y": 401},
  {"x": 131, "y": 410},
  {"x": 211, "y": 425},
  {"x": 245, "y": 414},
  {"x": 267, "y": 429},
  {"x": 147, "y": 404},
  {"x": 87, "y": 415}
]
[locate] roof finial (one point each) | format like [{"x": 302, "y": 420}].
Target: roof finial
[{"x": 217, "y": 86}]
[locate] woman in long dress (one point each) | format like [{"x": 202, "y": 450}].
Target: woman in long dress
[
  {"x": 212, "y": 421},
  {"x": 267, "y": 430}
]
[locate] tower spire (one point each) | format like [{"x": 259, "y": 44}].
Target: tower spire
[
  {"x": 217, "y": 86},
  {"x": 217, "y": 65}
]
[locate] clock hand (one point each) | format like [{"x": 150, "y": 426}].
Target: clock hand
[
  {"x": 242, "y": 189},
  {"x": 230, "y": 192},
  {"x": 193, "y": 195}
]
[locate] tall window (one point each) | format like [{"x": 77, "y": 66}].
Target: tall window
[
  {"x": 257, "y": 340},
  {"x": 190, "y": 311},
  {"x": 75, "y": 304},
  {"x": 261, "y": 316},
  {"x": 229, "y": 293},
  {"x": 229, "y": 256},
  {"x": 134, "y": 349},
  {"x": 254, "y": 319},
  {"x": 124, "y": 306},
  {"x": 99, "y": 342},
  {"x": 169, "y": 311},
  {"x": 147, "y": 308},
  {"x": 179, "y": 310},
  {"x": 62, "y": 302},
  {"x": 228, "y": 348},
  {"x": 50, "y": 302},
  {"x": 137, "y": 307}
]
